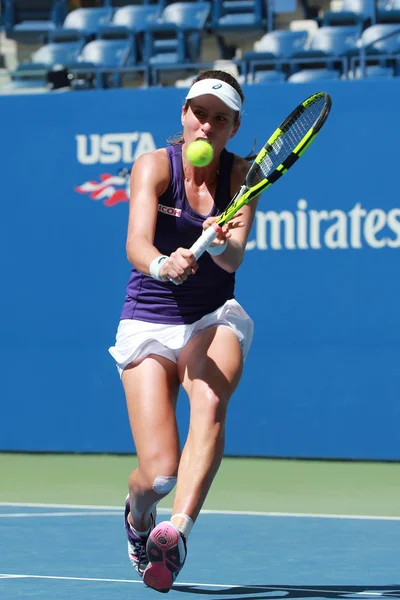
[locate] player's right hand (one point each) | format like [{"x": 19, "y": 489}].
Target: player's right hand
[{"x": 180, "y": 264}]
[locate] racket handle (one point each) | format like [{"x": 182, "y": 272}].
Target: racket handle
[
  {"x": 205, "y": 240},
  {"x": 201, "y": 245}
]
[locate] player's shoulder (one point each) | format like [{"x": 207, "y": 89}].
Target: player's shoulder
[
  {"x": 152, "y": 165},
  {"x": 156, "y": 157},
  {"x": 151, "y": 171}
]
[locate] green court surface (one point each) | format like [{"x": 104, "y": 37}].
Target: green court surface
[{"x": 242, "y": 484}]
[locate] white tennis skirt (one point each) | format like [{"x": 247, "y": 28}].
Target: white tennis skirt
[{"x": 137, "y": 339}]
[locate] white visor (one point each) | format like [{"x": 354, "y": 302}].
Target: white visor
[{"x": 225, "y": 92}]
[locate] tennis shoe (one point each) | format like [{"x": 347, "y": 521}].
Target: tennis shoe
[
  {"x": 136, "y": 543},
  {"x": 166, "y": 552}
]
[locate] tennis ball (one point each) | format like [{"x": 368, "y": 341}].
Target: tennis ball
[{"x": 200, "y": 153}]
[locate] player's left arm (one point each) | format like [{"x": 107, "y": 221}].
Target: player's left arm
[{"x": 236, "y": 231}]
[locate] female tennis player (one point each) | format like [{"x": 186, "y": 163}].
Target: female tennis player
[{"x": 181, "y": 325}]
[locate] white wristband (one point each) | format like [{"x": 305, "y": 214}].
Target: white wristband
[
  {"x": 155, "y": 267},
  {"x": 216, "y": 250}
]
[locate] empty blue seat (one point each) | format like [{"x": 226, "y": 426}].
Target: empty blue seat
[
  {"x": 353, "y": 12},
  {"x": 374, "y": 72},
  {"x": 379, "y": 45},
  {"x": 389, "y": 12},
  {"x": 130, "y": 22},
  {"x": 312, "y": 75},
  {"x": 277, "y": 44},
  {"x": 29, "y": 20},
  {"x": 383, "y": 38},
  {"x": 176, "y": 36},
  {"x": 31, "y": 85},
  {"x": 108, "y": 53},
  {"x": 81, "y": 24},
  {"x": 136, "y": 17},
  {"x": 333, "y": 41},
  {"x": 120, "y": 3},
  {"x": 55, "y": 54},
  {"x": 271, "y": 76},
  {"x": 273, "y": 51},
  {"x": 242, "y": 15},
  {"x": 329, "y": 47},
  {"x": 106, "y": 60},
  {"x": 44, "y": 59}
]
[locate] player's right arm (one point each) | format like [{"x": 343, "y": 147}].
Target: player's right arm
[{"x": 150, "y": 177}]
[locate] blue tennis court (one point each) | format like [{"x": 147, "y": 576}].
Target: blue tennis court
[{"x": 79, "y": 552}]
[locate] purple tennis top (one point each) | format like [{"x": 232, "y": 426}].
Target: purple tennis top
[{"x": 178, "y": 225}]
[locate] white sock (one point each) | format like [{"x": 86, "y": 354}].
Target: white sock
[
  {"x": 186, "y": 527},
  {"x": 139, "y": 533}
]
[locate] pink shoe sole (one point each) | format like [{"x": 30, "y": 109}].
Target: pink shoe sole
[{"x": 166, "y": 553}]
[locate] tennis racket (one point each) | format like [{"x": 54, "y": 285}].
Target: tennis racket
[{"x": 281, "y": 151}]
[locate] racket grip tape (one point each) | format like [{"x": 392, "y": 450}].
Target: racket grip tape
[
  {"x": 205, "y": 240},
  {"x": 201, "y": 245}
]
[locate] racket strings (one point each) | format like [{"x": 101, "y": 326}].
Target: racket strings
[{"x": 283, "y": 146}]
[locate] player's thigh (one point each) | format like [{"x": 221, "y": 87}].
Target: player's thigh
[
  {"x": 151, "y": 389},
  {"x": 211, "y": 364}
]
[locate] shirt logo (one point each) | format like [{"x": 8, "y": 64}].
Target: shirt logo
[{"x": 170, "y": 210}]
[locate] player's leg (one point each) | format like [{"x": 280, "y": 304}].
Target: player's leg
[
  {"x": 209, "y": 367},
  {"x": 151, "y": 389}
]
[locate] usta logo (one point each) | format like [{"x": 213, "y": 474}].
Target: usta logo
[
  {"x": 108, "y": 149},
  {"x": 113, "y": 147}
]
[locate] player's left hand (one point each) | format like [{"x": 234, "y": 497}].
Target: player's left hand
[{"x": 226, "y": 231}]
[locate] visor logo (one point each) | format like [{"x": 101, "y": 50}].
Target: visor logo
[{"x": 217, "y": 86}]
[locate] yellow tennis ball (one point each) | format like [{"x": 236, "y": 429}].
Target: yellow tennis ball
[{"x": 200, "y": 153}]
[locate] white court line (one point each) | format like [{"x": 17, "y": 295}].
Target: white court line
[
  {"x": 260, "y": 588},
  {"x": 210, "y": 512}
]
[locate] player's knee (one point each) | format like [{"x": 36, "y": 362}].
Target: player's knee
[
  {"x": 164, "y": 484},
  {"x": 214, "y": 406}
]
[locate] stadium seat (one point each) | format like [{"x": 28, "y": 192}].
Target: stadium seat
[
  {"x": 388, "y": 12},
  {"x": 278, "y": 44},
  {"x": 52, "y": 54},
  {"x": 383, "y": 38},
  {"x": 176, "y": 36},
  {"x": 379, "y": 45},
  {"x": 312, "y": 75},
  {"x": 25, "y": 85},
  {"x": 130, "y": 22},
  {"x": 273, "y": 50},
  {"x": 238, "y": 15},
  {"x": 333, "y": 41},
  {"x": 106, "y": 60},
  {"x": 81, "y": 24},
  {"x": 108, "y": 53},
  {"x": 164, "y": 3},
  {"x": 120, "y": 3},
  {"x": 44, "y": 59},
  {"x": 130, "y": 19},
  {"x": 329, "y": 47},
  {"x": 261, "y": 77},
  {"x": 374, "y": 72},
  {"x": 29, "y": 21},
  {"x": 353, "y": 12}
]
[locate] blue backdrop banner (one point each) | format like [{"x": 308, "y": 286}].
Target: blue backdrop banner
[{"x": 321, "y": 278}]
